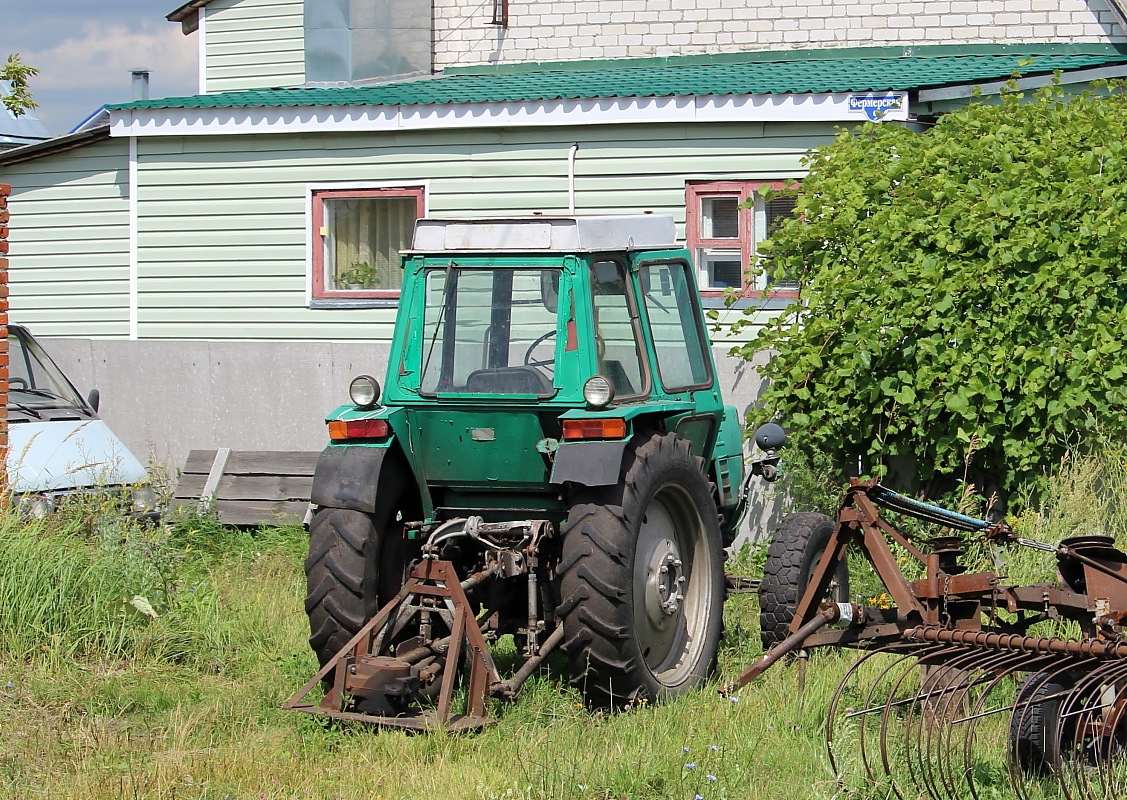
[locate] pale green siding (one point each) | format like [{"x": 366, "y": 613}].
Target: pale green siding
[
  {"x": 254, "y": 44},
  {"x": 222, "y": 225},
  {"x": 69, "y": 273}
]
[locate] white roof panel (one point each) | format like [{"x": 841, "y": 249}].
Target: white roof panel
[{"x": 565, "y": 234}]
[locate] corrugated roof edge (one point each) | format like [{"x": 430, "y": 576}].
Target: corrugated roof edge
[{"x": 782, "y": 56}]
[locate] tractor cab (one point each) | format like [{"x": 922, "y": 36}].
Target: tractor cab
[{"x": 527, "y": 351}]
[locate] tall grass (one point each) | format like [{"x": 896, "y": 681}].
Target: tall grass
[{"x": 99, "y": 699}]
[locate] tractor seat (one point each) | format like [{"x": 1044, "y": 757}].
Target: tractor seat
[{"x": 508, "y": 380}]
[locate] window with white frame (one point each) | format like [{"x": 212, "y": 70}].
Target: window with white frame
[
  {"x": 725, "y": 221},
  {"x": 357, "y": 237}
]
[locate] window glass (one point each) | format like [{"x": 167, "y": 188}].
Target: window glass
[
  {"x": 359, "y": 235},
  {"x": 33, "y": 379},
  {"x": 616, "y": 346},
  {"x": 778, "y": 209},
  {"x": 726, "y": 221},
  {"x": 677, "y": 337},
  {"x": 720, "y": 217},
  {"x": 491, "y": 331}
]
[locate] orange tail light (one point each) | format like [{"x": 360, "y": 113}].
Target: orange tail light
[
  {"x": 610, "y": 428},
  {"x": 342, "y": 430}
]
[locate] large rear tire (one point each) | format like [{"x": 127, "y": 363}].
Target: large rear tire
[
  {"x": 642, "y": 581},
  {"x": 355, "y": 565},
  {"x": 795, "y": 550}
]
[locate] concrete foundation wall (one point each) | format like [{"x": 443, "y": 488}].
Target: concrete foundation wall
[{"x": 165, "y": 398}]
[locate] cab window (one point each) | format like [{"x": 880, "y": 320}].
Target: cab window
[
  {"x": 491, "y": 331},
  {"x": 616, "y": 345},
  {"x": 673, "y": 316}
]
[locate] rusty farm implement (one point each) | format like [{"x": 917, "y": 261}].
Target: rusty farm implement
[{"x": 954, "y": 665}]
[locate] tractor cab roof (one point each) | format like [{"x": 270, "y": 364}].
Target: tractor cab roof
[{"x": 542, "y": 234}]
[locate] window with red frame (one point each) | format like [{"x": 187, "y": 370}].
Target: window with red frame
[
  {"x": 725, "y": 221},
  {"x": 357, "y": 236}
]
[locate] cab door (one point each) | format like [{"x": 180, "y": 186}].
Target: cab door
[{"x": 679, "y": 348}]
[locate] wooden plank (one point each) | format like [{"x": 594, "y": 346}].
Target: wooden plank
[
  {"x": 272, "y": 462},
  {"x": 249, "y": 487},
  {"x": 256, "y": 462},
  {"x": 207, "y": 494},
  {"x": 238, "y": 512}
]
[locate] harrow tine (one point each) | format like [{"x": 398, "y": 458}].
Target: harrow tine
[
  {"x": 1004, "y": 668},
  {"x": 937, "y": 755},
  {"x": 907, "y": 700},
  {"x": 1021, "y": 775},
  {"x": 857, "y": 681},
  {"x": 1094, "y": 713},
  {"x": 887, "y": 757}
]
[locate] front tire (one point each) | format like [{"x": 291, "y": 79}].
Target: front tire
[
  {"x": 794, "y": 553},
  {"x": 642, "y": 578}
]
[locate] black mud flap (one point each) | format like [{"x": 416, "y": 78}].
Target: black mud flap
[{"x": 588, "y": 463}]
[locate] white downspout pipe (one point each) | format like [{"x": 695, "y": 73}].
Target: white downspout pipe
[{"x": 571, "y": 177}]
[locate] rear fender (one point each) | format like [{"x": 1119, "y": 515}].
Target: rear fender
[{"x": 351, "y": 476}]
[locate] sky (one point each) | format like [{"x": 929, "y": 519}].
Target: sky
[{"x": 85, "y": 50}]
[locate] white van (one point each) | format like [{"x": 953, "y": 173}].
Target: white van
[{"x": 57, "y": 445}]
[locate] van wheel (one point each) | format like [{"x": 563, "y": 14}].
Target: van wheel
[{"x": 642, "y": 578}]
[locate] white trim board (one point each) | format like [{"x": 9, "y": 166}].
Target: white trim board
[{"x": 821, "y": 107}]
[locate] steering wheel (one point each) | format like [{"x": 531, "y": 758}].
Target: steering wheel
[
  {"x": 17, "y": 383},
  {"x": 548, "y": 362}
]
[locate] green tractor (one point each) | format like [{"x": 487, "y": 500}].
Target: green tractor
[{"x": 549, "y": 457}]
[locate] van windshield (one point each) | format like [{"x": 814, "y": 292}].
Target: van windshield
[{"x": 34, "y": 382}]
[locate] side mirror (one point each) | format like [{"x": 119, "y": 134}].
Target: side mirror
[
  {"x": 770, "y": 437},
  {"x": 94, "y": 399}
]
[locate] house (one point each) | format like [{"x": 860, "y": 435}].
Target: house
[{"x": 221, "y": 265}]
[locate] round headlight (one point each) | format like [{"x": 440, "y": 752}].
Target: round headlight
[
  {"x": 598, "y": 391},
  {"x": 364, "y": 390}
]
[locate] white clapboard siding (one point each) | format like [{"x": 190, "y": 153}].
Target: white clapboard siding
[
  {"x": 69, "y": 267},
  {"x": 222, "y": 229}
]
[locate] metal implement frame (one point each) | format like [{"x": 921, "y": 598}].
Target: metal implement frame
[
  {"x": 953, "y": 637},
  {"x": 433, "y": 590}
]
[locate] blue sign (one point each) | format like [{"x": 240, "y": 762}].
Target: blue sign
[{"x": 875, "y": 106}]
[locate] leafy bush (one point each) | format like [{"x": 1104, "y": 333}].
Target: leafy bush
[{"x": 961, "y": 303}]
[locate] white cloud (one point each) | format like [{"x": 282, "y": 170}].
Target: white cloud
[{"x": 100, "y": 57}]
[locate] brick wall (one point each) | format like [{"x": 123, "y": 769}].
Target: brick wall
[
  {"x": 565, "y": 30},
  {"x": 5, "y": 190}
]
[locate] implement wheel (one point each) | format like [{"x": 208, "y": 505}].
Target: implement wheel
[
  {"x": 355, "y": 565},
  {"x": 642, "y": 582},
  {"x": 1038, "y": 735},
  {"x": 794, "y": 553}
]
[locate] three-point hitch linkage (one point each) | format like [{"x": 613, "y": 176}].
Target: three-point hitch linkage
[{"x": 955, "y": 651}]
